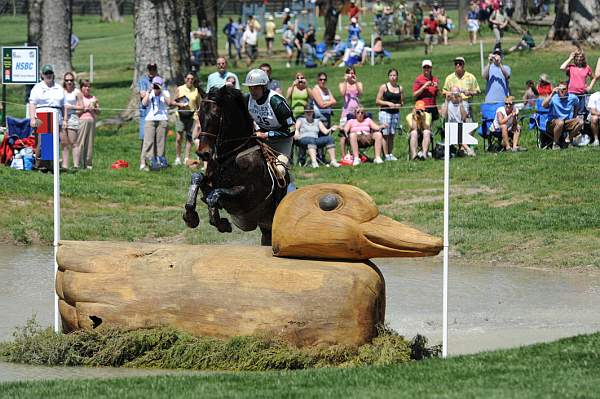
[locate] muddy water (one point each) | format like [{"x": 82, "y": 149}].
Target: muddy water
[{"x": 489, "y": 307}]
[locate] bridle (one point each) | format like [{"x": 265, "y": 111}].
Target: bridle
[{"x": 219, "y": 137}]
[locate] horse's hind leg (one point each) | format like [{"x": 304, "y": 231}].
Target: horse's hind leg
[
  {"x": 222, "y": 224},
  {"x": 265, "y": 239},
  {"x": 190, "y": 216}
]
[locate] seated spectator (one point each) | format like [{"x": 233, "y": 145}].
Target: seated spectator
[
  {"x": 454, "y": 111},
  {"x": 307, "y": 135},
  {"x": 526, "y": 43},
  {"x": 530, "y": 95},
  {"x": 578, "y": 72},
  {"x": 563, "y": 114},
  {"x": 337, "y": 52},
  {"x": 378, "y": 50},
  {"x": 544, "y": 86},
  {"x": 419, "y": 123},
  {"x": 496, "y": 75},
  {"x": 363, "y": 132},
  {"x": 593, "y": 107},
  {"x": 353, "y": 53},
  {"x": 507, "y": 122}
]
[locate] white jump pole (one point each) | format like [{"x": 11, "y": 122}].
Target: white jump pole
[
  {"x": 481, "y": 55},
  {"x": 91, "y": 68},
  {"x": 56, "y": 163},
  {"x": 372, "y": 50},
  {"x": 446, "y": 216}
]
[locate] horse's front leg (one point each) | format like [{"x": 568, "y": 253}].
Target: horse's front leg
[
  {"x": 190, "y": 216},
  {"x": 213, "y": 198},
  {"x": 215, "y": 219}
]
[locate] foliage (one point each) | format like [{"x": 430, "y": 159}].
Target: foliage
[{"x": 170, "y": 349}]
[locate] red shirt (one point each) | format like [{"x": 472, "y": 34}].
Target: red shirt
[
  {"x": 353, "y": 11},
  {"x": 544, "y": 89},
  {"x": 430, "y": 26},
  {"x": 429, "y": 94}
]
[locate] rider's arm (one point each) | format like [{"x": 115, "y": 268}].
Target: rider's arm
[{"x": 284, "y": 116}]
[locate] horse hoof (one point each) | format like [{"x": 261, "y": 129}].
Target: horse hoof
[
  {"x": 224, "y": 226},
  {"x": 191, "y": 219}
]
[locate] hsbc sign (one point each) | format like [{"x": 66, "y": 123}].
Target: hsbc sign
[{"x": 20, "y": 65}]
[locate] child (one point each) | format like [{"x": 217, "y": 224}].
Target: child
[{"x": 530, "y": 95}]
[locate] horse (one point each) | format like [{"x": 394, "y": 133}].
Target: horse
[{"x": 242, "y": 176}]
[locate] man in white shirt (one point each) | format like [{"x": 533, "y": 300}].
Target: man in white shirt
[
  {"x": 46, "y": 94},
  {"x": 594, "y": 116},
  {"x": 250, "y": 43},
  {"x": 219, "y": 78}
]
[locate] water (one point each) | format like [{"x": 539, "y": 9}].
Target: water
[{"x": 489, "y": 307}]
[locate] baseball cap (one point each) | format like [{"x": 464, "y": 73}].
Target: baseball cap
[
  {"x": 498, "y": 51},
  {"x": 426, "y": 63},
  {"x": 337, "y": 38},
  {"x": 459, "y": 59},
  {"x": 151, "y": 65},
  {"x": 47, "y": 68},
  {"x": 157, "y": 81},
  {"x": 420, "y": 105}
]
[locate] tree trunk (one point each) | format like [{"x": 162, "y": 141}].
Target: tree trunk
[
  {"x": 207, "y": 10},
  {"x": 110, "y": 11},
  {"x": 521, "y": 9},
  {"x": 578, "y": 21},
  {"x": 331, "y": 20},
  {"x": 162, "y": 36},
  {"x": 56, "y": 36},
  {"x": 34, "y": 22},
  {"x": 463, "y": 6}
]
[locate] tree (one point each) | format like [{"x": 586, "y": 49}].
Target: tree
[
  {"x": 162, "y": 36},
  {"x": 110, "y": 11},
  {"x": 521, "y": 10},
  {"x": 206, "y": 10},
  {"x": 55, "y": 43},
  {"x": 34, "y": 22},
  {"x": 577, "y": 20}
]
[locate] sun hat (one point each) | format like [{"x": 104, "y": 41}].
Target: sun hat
[
  {"x": 545, "y": 78},
  {"x": 426, "y": 63},
  {"x": 47, "y": 68},
  {"x": 461, "y": 59},
  {"x": 157, "y": 80},
  {"x": 286, "y": 10},
  {"x": 420, "y": 105}
]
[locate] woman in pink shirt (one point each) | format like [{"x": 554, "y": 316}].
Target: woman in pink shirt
[
  {"x": 363, "y": 132},
  {"x": 578, "y": 72},
  {"x": 351, "y": 89},
  {"x": 87, "y": 124}
]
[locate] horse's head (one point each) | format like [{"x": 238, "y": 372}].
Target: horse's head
[{"x": 224, "y": 121}]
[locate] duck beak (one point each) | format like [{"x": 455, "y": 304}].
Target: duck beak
[{"x": 387, "y": 238}]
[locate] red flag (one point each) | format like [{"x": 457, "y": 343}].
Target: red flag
[{"x": 47, "y": 122}]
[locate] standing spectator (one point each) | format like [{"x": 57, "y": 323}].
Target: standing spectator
[
  {"x": 87, "y": 124},
  {"x": 285, "y": 22},
  {"x": 299, "y": 45},
  {"x": 187, "y": 96},
  {"x": 464, "y": 80},
  {"x": 544, "y": 86},
  {"x": 353, "y": 10},
  {"x": 157, "y": 100},
  {"x": 426, "y": 88},
  {"x": 217, "y": 79},
  {"x": 354, "y": 29},
  {"x": 239, "y": 31},
  {"x": 208, "y": 52},
  {"x": 270, "y": 34},
  {"x": 44, "y": 96},
  {"x": 68, "y": 135},
  {"x": 143, "y": 86},
  {"x": 498, "y": 23},
  {"x": 250, "y": 43},
  {"x": 593, "y": 107},
  {"x": 196, "y": 49},
  {"x": 419, "y": 123},
  {"x": 496, "y": 75},
  {"x": 390, "y": 98},
  {"x": 351, "y": 90},
  {"x": 418, "y": 13},
  {"x": 254, "y": 22},
  {"x": 507, "y": 122},
  {"x": 453, "y": 111},
  {"x": 308, "y": 130},
  {"x": 578, "y": 72},
  {"x": 378, "y": 13},
  {"x": 323, "y": 100},
  {"x": 473, "y": 22},
  {"x": 273, "y": 84},
  {"x": 430, "y": 29},
  {"x": 230, "y": 31},
  {"x": 298, "y": 95},
  {"x": 443, "y": 24},
  {"x": 563, "y": 114},
  {"x": 363, "y": 132},
  {"x": 288, "y": 40}
]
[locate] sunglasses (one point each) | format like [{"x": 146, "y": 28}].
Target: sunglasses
[
  {"x": 360, "y": 112},
  {"x": 323, "y": 79},
  {"x": 69, "y": 80},
  {"x": 459, "y": 63},
  {"x": 508, "y": 104}
]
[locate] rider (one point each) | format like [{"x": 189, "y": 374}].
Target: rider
[{"x": 271, "y": 113}]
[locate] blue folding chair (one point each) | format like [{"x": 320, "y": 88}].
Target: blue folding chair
[
  {"x": 486, "y": 131},
  {"x": 539, "y": 122}
]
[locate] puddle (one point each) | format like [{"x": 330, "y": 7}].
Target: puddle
[{"x": 488, "y": 307}]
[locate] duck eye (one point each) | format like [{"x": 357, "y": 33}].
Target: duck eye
[{"x": 329, "y": 202}]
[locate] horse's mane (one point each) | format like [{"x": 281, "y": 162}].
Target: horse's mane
[{"x": 233, "y": 104}]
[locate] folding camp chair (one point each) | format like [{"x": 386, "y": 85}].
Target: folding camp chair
[
  {"x": 488, "y": 114},
  {"x": 539, "y": 122}
]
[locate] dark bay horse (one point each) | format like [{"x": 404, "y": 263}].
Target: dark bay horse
[{"x": 238, "y": 177}]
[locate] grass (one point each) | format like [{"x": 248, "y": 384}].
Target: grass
[
  {"x": 569, "y": 368},
  {"x": 535, "y": 209}
]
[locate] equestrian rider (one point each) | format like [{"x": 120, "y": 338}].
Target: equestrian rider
[{"x": 271, "y": 113}]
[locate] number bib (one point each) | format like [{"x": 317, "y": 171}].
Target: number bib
[{"x": 263, "y": 115}]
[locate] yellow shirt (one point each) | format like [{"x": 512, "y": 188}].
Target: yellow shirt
[
  {"x": 270, "y": 29},
  {"x": 409, "y": 120},
  {"x": 467, "y": 82},
  {"x": 192, "y": 95}
]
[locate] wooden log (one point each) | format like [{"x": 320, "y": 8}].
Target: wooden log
[{"x": 219, "y": 290}]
